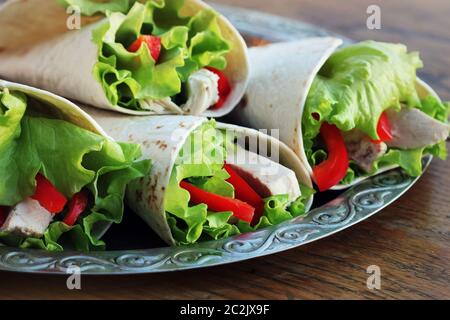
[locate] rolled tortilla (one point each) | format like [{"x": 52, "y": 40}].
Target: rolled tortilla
[
  {"x": 57, "y": 107},
  {"x": 36, "y": 48},
  {"x": 60, "y": 108},
  {"x": 278, "y": 89},
  {"x": 161, "y": 139}
]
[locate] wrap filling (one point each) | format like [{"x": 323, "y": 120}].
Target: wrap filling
[
  {"x": 364, "y": 112},
  {"x": 153, "y": 58},
  {"x": 219, "y": 189}
]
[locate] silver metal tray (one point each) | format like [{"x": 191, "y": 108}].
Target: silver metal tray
[{"x": 333, "y": 211}]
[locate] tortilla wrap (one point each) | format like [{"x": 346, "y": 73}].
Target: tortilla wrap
[
  {"x": 280, "y": 106},
  {"x": 63, "y": 109},
  {"x": 36, "y": 48},
  {"x": 161, "y": 139}
]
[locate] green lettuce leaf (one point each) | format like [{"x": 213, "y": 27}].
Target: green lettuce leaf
[
  {"x": 188, "y": 44},
  {"x": 72, "y": 159},
  {"x": 217, "y": 226},
  {"x": 277, "y": 210},
  {"x": 358, "y": 83},
  {"x": 354, "y": 87}
]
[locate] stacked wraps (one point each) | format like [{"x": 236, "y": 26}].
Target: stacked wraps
[
  {"x": 208, "y": 180},
  {"x": 342, "y": 115},
  {"x": 65, "y": 178},
  {"x": 154, "y": 57},
  {"x": 347, "y": 113}
]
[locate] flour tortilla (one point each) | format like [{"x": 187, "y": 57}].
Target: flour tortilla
[
  {"x": 36, "y": 48},
  {"x": 278, "y": 89},
  {"x": 161, "y": 139},
  {"x": 57, "y": 107}
]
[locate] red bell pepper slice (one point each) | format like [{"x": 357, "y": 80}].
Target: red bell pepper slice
[
  {"x": 3, "y": 215},
  {"x": 241, "y": 210},
  {"x": 224, "y": 87},
  {"x": 153, "y": 43},
  {"x": 77, "y": 206},
  {"x": 331, "y": 171},
  {"x": 47, "y": 195},
  {"x": 246, "y": 193},
  {"x": 384, "y": 129}
]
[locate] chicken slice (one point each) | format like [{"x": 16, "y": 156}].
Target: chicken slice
[
  {"x": 203, "y": 92},
  {"x": 266, "y": 176},
  {"x": 28, "y": 219},
  {"x": 163, "y": 106},
  {"x": 412, "y": 128},
  {"x": 362, "y": 150}
]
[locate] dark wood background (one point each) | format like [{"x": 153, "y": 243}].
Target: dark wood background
[{"x": 409, "y": 240}]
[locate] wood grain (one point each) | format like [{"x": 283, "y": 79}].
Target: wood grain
[{"x": 409, "y": 240}]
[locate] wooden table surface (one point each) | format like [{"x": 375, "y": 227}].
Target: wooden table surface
[{"x": 409, "y": 241}]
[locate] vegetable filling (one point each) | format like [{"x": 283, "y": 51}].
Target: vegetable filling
[
  {"x": 364, "y": 112},
  {"x": 211, "y": 197},
  {"x": 151, "y": 57}
]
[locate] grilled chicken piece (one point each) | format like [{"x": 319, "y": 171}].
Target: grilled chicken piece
[
  {"x": 362, "y": 149},
  {"x": 28, "y": 219},
  {"x": 163, "y": 106},
  {"x": 203, "y": 92},
  {"x": 412, "y": 128},
  {"x": 267, "y": 177}
]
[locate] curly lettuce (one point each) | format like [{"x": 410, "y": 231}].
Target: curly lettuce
[
  {"x": 201, "y": 163},
  {"x": 188, "y": 45},
  {"x": 70, "y": 157},
  {"x": 354, "y": 87}
]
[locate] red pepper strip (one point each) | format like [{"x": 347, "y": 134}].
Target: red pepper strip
[
  {"x": 331, "y": 171},
  {"x": 241, "y": 210},
  {"x": 223, "y": 86},
  {"x": 153, "y": 43},
  {"x": 77, "y": 206},
  {"x": 47, "y": 195},
  {"x": 3, "y": 215},
  {"x": 384, "y": 129},
  {"x": 246, "y": 193}
]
